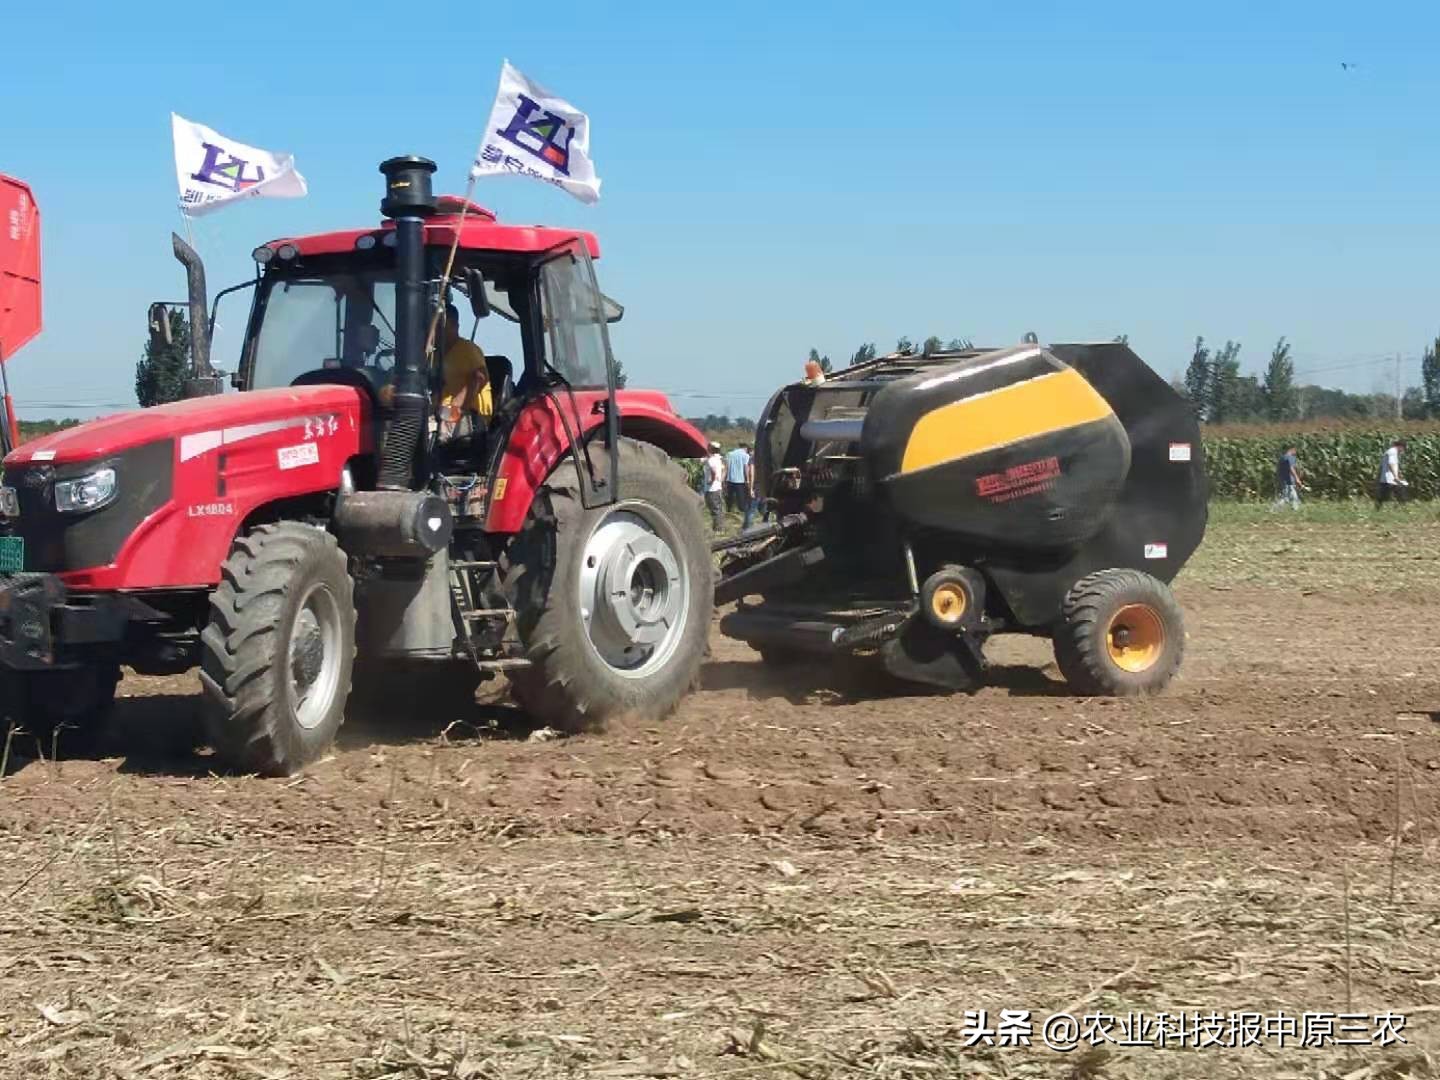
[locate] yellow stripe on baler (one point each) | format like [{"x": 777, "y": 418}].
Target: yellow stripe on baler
[{"x": 1038, "y": 406}]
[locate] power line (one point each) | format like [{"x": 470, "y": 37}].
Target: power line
[{"x": 1369, "y": 361}]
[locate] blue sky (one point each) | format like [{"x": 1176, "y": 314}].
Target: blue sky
[{"x": 781, "y": 176}]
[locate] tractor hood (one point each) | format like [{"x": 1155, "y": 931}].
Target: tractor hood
[{"x": 214, "y": 420}]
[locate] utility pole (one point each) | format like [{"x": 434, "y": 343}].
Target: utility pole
[{"x": 1399, "y": 412}]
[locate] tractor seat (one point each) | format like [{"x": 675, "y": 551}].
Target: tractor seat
[
  {"x": 501, "y": 373},
  {"x": 469, "y": 451}
]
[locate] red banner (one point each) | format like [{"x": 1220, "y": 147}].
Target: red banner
[{"x": 19, "y": 266}]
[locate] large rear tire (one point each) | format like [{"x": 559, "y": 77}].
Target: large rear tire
[
  {"x": 1121, "y": 635},
  {"x": 278, "y": 654},
  {"x": 614, "y": 603}
]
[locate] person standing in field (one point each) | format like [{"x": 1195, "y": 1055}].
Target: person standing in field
[
  {"x": 1392, "y": 484},
  {"x": 1288, "y": 483},
  {"x": 737, "y": 480},
  {"x": 750, "y": 500},
  {"x": 714, "y": 482}
]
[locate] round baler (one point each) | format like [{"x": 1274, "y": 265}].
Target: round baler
[{"x": 925, "y": 503}]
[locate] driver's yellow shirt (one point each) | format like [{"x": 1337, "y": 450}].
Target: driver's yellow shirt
[{"x": 462, "y": 360}]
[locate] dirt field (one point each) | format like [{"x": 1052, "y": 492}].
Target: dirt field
[{"x": 784, "y": 880}]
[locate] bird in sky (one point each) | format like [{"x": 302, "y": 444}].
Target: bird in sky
[{"x": 1348, "y": 66}]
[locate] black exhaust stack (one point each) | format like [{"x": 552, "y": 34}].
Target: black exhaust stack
[
  {"x": 203, "y": 381},
  {"x": 408, "y": 202},
  {"x": 402, "y": 520}
]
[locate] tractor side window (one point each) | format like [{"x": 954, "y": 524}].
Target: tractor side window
[{"x": 576, "y": 344}]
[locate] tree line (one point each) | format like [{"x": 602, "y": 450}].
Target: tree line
[
  {"x": 33, "y": 429},
  {"x": 1219, "y": 394},
  {"x": 905, "y": 346}
]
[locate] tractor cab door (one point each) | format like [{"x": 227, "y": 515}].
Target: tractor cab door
[{"x": 575, "y": 346}]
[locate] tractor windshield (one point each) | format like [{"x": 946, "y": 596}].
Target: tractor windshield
[
  {"x": 346, "y": 319},
  {"x": 336, "y": 320}
]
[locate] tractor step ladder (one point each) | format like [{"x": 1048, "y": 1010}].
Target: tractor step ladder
[{"x": 465, "y": 591}]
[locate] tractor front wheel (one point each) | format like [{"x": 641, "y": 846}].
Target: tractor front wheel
[
  {"x": 1121, "y": 634},
  {"x": 613, "y": 603},
  {"x": 278, "y": 653}
]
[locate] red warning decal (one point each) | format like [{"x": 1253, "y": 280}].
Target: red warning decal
[{"x": 1019, "y": 480}]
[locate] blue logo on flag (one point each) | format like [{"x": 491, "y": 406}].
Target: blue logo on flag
[{"x": 541, "y": 133}]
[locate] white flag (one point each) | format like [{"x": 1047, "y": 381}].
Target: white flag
[
  {"x": 213, "y": 170},
  {"x": 534, "y": 133}
]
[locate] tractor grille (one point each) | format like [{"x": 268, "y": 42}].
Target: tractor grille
[{"x": 56, "y": 542}]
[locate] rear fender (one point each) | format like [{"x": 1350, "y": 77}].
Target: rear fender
[{"x": 538, "y": 442}]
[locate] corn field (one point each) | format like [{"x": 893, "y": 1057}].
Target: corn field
[{"x": 1336, "y": 463}]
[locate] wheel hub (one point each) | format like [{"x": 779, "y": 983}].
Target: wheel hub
[
  {"x": 314, "y": 656},
  {"x": 633, "y": 591},
  {"x": 949, "y": 603},
  {"x": 307, "y": 651},
  {"x": 1135, "y": 638}
]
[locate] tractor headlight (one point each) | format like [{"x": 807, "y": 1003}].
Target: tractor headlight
[{"x": 89, "y": 492}]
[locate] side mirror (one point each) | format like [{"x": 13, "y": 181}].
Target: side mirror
[
  {"x": 159, "y": 319},
  {"x": 475, "y": 286},
  {"x": 613, "y": 311}
]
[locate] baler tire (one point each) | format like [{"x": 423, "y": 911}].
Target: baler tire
[
  {"x": 569, "y": 685},
  {"x": 1096, "y": 607},
  {"x": 247, "y": 668}
]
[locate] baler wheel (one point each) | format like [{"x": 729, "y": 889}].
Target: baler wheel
[
  {"x": 613, "y": 603},
  {"x": 1121, "y": 634},
  {"x": 278, "y": 654}
]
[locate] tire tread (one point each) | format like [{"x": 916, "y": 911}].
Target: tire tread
[
  {"x": 243, "y": 718},
  {"x": 1080, "y": 638}
]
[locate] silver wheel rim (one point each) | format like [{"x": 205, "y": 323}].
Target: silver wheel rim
[
  {"x": 313, "y": 668},
  {"x": 634, "y": 591}
]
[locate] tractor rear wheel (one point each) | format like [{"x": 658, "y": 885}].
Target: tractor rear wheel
[
  {"x": 1121, "y": 634},
  {"x": 614, "y": 603},
  {"x": 277, "y": 656}
]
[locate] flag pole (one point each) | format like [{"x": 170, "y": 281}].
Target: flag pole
[
  {"x": 189, "y": 231},
  {"x": 449, "y": 266}
]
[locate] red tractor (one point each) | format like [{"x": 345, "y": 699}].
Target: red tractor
[{"x": 320, "y": 525}]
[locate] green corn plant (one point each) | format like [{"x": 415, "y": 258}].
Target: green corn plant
[{"x": 1335, "y": 462}]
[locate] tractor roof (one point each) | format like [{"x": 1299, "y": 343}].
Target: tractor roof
[{"x": 481, "y": 232}]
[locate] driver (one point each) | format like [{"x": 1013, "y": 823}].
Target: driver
[
  {"x": 465, "y": 397},
  {"x": 466, "y": 386}
]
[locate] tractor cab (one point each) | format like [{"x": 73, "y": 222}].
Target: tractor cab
[{"x": 325, "y": 312}]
